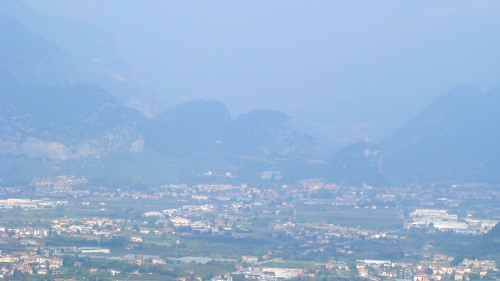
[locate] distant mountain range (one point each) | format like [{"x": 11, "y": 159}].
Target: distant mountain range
[
  {"x": 59, "y": 124},
  {"x": 62, "y": 113},
  {"x": 52, "y": 123}
]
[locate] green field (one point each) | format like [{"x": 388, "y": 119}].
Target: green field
[{"x": 374, "y": 219}]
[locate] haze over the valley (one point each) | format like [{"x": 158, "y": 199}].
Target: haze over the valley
[
  {"x": 344, "y": 71},
  {"x": 376, "y": 93}
]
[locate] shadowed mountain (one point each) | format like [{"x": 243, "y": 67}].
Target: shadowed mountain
[
  {"x": 268, "y": 133},
  {"x": 456, "y": 137},
  {"x": 207, "y": 127},
  {"x": 192, "y": 127},
  {"x": 93, "y": 58},
  {"x": 27, "y": 59},
  {"x": 357, "y": 164}
]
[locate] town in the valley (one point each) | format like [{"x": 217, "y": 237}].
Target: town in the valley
[{"x": 63, "y": 228}]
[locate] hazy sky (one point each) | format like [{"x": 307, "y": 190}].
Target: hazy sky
[{"x": 341, "y": 66}]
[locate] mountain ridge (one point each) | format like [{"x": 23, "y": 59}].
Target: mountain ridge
[{"x": 455, "y": 138}]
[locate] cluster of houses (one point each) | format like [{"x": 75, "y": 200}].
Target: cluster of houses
[
  {"x": 28, "y": 263},
  {"x": 437, "y": 268},
  {"x": 93, "y": 226},
  {"x": 24, "y": 232},
  {"x": 232, "y": 211}
]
